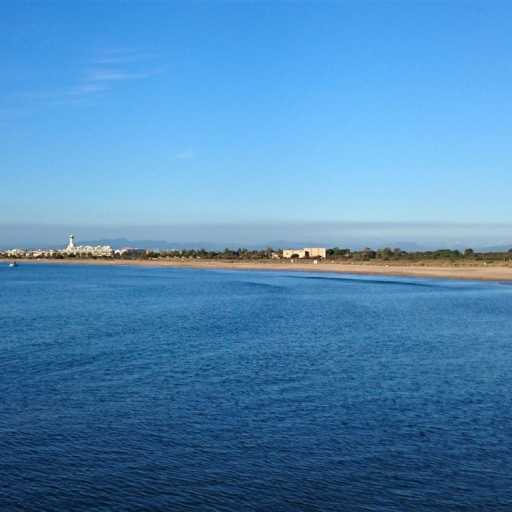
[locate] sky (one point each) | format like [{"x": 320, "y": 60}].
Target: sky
[{"x": 122, "y": 116}]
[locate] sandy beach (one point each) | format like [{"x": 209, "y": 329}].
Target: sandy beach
[{"x": 424, "y": 269}]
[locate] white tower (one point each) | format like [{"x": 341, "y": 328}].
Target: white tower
[{"x": 71, "y": 244}]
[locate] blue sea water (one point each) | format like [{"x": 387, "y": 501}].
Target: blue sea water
[{"x": 133, "y": 389}]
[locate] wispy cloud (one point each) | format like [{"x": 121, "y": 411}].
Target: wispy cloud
[
  {"x": 114, "y": 66},
  {"x": 85, "y": 89},
  {"x": 185, "y": 155},
  {"x": 121, "y": 56},
  {"x": 103, "y": 74},
  {"x": 113, "y": 75}
]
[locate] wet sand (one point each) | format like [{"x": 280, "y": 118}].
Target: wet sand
[{"x": 490, "y": 272}]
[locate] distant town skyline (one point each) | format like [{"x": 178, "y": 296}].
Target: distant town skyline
[{"x": 144, "y": 113}]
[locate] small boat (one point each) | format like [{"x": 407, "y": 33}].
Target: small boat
[{"x": 13, "y": 264}]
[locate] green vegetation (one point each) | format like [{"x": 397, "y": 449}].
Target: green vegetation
[
  {"x": 226, "y": 254},
  {"x": 336, "y": 254}
]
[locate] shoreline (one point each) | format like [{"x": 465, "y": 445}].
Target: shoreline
[{"x": 462, "y": 272}]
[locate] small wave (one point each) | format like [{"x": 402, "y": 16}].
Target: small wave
[
  {"x": 367, "y": 281},
  {"x": 253, "y": 284}
]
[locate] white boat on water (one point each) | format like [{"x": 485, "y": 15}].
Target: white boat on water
[{"x": 13, "y": 264}]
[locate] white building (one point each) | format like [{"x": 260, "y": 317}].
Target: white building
[
  {"x": 307, "y": 252},
  {"x": 71, "y": 245},
  {"x": 87, "y": 250},
  {"x": 41, "y": 253},
  {"x": 16, "y": 253}
]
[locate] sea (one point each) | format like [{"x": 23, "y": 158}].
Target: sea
[{"x": 126, "y": 388}]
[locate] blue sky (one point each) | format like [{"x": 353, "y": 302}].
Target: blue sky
[{"x": 195, "y": 113}]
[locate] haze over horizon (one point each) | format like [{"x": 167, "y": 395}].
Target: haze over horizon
[
  {"x": 354, "y": 235},
  {"x": 248, "y": 123}
]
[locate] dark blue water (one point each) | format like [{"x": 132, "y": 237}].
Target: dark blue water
[{"x": 135, "y": 389}]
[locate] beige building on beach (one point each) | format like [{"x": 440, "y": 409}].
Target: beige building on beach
[{"x": 307, "y": 252}]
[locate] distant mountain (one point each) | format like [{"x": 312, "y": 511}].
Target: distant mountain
[
  {"x": 118, "y": 243},
  {"x": 496, "y": 248},
  {"x": 350, "y": 243}
]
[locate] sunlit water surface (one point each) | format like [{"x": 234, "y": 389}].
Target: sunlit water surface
[{"x": 133, "y": 389}]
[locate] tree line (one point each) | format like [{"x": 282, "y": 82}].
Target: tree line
[{"x": 333, "y": 254}]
